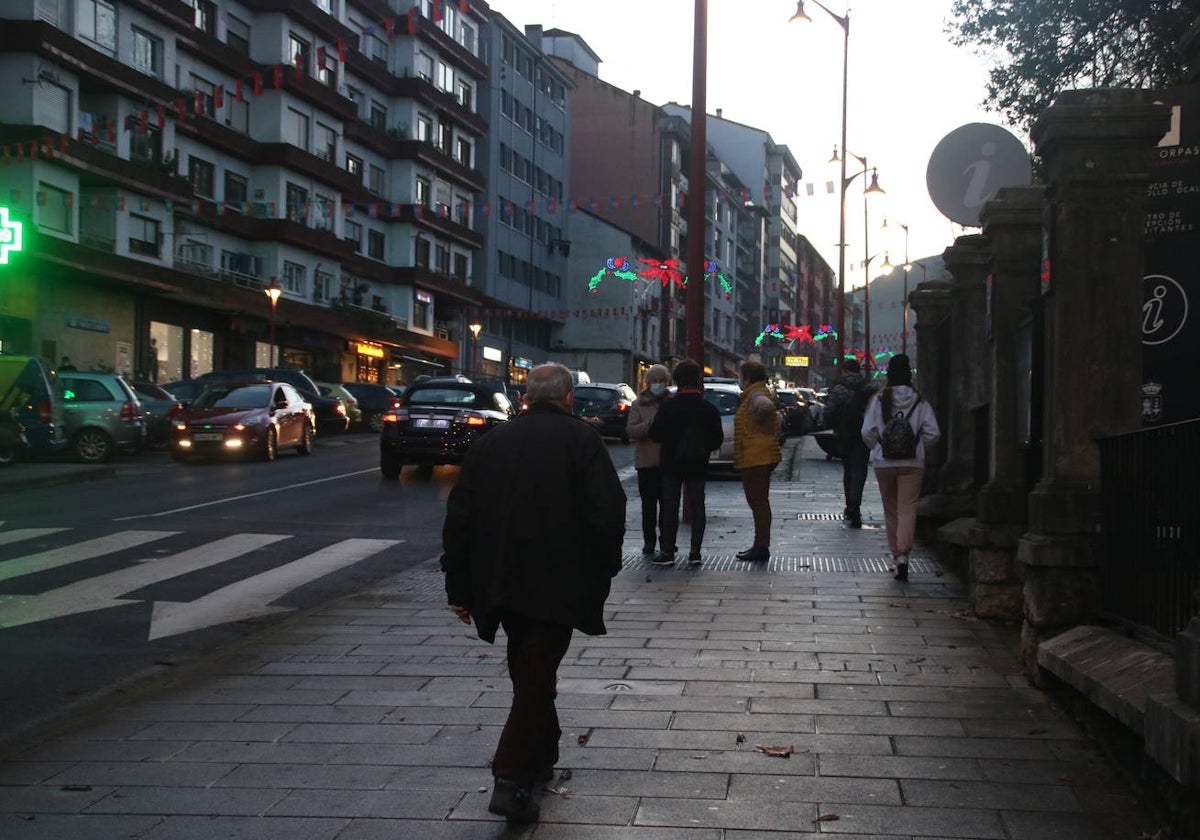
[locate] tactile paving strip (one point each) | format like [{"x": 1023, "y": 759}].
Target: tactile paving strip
[{"x": 850, "y": 565}]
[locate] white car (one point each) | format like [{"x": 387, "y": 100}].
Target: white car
[{"x": 726, "y": 398}]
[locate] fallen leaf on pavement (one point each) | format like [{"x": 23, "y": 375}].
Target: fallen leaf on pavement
[
  {"x": 1041, "y": 730},
  {"x": 741, "y": 739},
  {"x": 582, "y": 739},
  {"x": 827, "y": 818},
  {"x": 777, "y": 752}
]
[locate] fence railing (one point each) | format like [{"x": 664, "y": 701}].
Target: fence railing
[{"x": 1150, "y": 524}]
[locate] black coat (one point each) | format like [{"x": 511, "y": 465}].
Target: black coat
[
  {"x": 670, "y": 424},
  {"x": 535, "y": 523}
]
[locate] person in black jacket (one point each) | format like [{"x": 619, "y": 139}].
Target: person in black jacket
[
  {"x": 689, "y": 429},
  {"x": 844, "y": 410},
  {"x": 532, "y": 538}
]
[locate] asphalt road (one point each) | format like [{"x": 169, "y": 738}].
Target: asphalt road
[{"x": 109, "y": 586}]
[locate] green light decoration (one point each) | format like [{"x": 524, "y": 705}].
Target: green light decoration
[
  {"x": 10, "y": 236},
  {"x": 618, "y": 267},
  {"x": 712, "y": 271}
]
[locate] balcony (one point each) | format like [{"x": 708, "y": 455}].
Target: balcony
[{"x": 417, "y": 89}]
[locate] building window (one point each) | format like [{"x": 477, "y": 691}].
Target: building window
[
  {"x": 378, "y": 118},
  {"x": 441, "y": 259},
  {"x": 200, "y": 173},
  {"x": 353, "y": 235},
  {"x": 462, "y": 151},
  {"x": 421, "y": 253},
  {"x": 235, "y": 192},
  {"x": 424, "y": 128},
  {"x": 55, "y": 209},
  {"x": 205, "y": 90},
  {"x": 460, "y": 267},
  {"x": 297, "y": 129},
  {"x": 445, "y": 78},
  {"x": 420, "y": 310},
  {"x": 299, "y": 53},
  {"x": 466, "y": 36},
  {"x": 147, "y": 53},
  {"x": 506, "y": 104},
  {"x": 146, "y": 148},
  {"x": 237, "y": 34},
  {"x": 422, "y": 193},
  {"x": 375, "y": 245},
  {"x": 297, "y": 203},
  {"x": 425, "y": 66},
  {"x": 357, "y": 97},
  {"x": 466, "y": 96},
  {"x": 322, "y": 287},
  {"x": 294, "y": 278},
  {"x": 445, "y": 137},
  {"x": 327, "y": 71},
  {"x": 237, "y": 115},
  {"x": 321, "y": 212},
  {"x": 375, "y": 180},
  {"x": 98, "y": 24},
  {"x": 143, "y": 236},
  {"x": 462, "y": 210},
  {"x": 326, "y": 143},
  {"x": 354, "y": 166},
  {"x": 205, "y": 17}
]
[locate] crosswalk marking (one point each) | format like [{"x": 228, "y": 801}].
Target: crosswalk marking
[
  {"x": 19, "y": 534},
  {"x": 55, "y": 557},
  {"x": 252, "y": 596},
  {"x": 100, "y": 592}
]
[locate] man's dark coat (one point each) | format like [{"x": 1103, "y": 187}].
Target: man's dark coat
[{"x": 535, "y": 523}]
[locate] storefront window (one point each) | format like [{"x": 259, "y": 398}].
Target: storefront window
[
  {"x": 262, "y": 354},
  {"x": 165, "y": 358},
  {"x": 202, "y": 352}
]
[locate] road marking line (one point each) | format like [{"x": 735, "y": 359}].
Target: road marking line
[
  {"x": 252, "y": 596},
  {"x": 55, "y": 557},
  {"x": 100, "y": 592},
  {"x": 288, "y": 488},
  {"x": 19, "y": 534}
]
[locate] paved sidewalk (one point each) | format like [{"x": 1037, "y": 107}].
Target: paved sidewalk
[{"x": 375, "y": 716}]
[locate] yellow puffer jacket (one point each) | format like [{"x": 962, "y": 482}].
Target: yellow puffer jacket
[{"x": 756, "y": 429}]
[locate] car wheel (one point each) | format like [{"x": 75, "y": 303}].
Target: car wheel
[
  {"x": 425, "y": 470},
  {"x": 8, "y": 454},
  {"x": 375, "y": 421},
  {"x": 271, "y": 448},
  {"x": 390, "y": 469},
  {"x": 306, "y": 441},
  {"x": 93, "y": 446}
]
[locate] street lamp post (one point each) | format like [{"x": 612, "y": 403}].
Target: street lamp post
[
  {"x": 475, "y": 328},
  {"x": 273, "y": 291},
  {"x": 844, "y": 22},
  {"x": 697, "y": 175},
  {"x": 907, "y": 268}
]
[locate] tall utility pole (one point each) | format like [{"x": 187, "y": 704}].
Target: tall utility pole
[{"x": 697, "y": 179}]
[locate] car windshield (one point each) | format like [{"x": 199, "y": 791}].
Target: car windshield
[
  {"x": 788, "y": 398},
  {"x": 594, "y": 396},
  {"x": 726, "y": 403},
  {"x": 464, "y": 397},
  {"x": 243, "y": 396}
]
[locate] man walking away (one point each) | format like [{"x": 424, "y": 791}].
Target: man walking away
[
  {"x": 532, "y": 537},
  {"x": 689, "y": 429},
  {"x": 844, "y": 410},
  {"x": 756, "y": 454}
]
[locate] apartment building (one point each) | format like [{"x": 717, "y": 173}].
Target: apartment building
[{"x": 173, "y": 160}]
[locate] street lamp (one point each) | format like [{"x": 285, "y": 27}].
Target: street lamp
[
  {"x": 872, "y": 189},
  {"x": 475, "y": 329},
  {"x": 907, "y": 268},
  {"x": 844, "y": 22},
  {"x": 273, "y": 291}
]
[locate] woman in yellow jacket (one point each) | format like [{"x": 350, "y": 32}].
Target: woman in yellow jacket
[{"x": 756, "y": 453}]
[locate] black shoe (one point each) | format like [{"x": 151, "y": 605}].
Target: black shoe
[
  {"x": 647, "y": 551},
  {"x": 758, "y": 554},
  {"x": 514, "y": 803},
  {"x": 901, "y": 571},
  {"x": 855, "y": 521},
  {"x": 546, "y": 774},
  {"x": 694, "y": 559},
  {"x": 744, "y": 553},
  {"x": 664, "y": 558}
]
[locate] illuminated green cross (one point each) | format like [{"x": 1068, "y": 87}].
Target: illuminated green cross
[{"x": 10, "y": 235}]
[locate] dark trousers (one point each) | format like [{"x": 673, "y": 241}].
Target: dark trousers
[
  {"x": 672, "y": 490},
  {"x": 756, "y": 484},
  {"x": 855, "y": 456},
  {"x": 650, "y": 491},
  {"x": 529, "y": 741}
]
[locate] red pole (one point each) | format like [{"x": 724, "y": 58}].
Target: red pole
[{"x": 697, "y": 178}]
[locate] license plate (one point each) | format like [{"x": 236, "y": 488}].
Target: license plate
[
  {"x": 430, "y": 423},
  {"x": 203, "y": 436}
]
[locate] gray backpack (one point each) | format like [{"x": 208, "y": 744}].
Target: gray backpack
[{"x": 898, "y": 440}]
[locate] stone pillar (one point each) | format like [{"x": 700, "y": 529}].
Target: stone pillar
[
  {"x": 1095, "y": 145},
  {"x": 930, "y": 304},
  {"x": 1012, "y": 223},
  {"x": 968, "y": 261}
]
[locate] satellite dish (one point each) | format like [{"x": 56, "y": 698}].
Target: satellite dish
[{"x": 969, "y": 165}]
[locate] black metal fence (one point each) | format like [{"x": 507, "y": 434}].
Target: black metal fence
[{"x": 1150, "y": 524}]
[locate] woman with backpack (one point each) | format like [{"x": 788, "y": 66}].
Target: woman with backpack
[{"x": 898, "y": 426}]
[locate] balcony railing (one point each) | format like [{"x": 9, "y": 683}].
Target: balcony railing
[{"x": 1150, "y": 562}]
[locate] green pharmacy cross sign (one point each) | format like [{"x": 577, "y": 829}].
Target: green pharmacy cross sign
[{"x": 10, "y": 236}]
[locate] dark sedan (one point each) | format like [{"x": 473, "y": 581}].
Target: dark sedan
[
  {"x": 606, "y": 406},
  {"x": 160, "y": 407},
  {"x": 244, "y": 418},
  {"x": 374, "y": 401},
  {"x": 437, "y": 422},
  {"x": 330, "y": 411}
]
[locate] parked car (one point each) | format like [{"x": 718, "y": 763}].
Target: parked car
[
  {"x": 437, "y": 422},
  {"x": 815, "y": 406},
  {"x": 354, "y": 412},
  {"x": 606, "y": 406},
  {"x": 160, "y": 407},
  {"x": 185, "y": 390},
  {"x": 103, "y": 414},
  {"x": 330, "y": 411},
  {"x": 798, "y": 416},
  {"x": 725, "y": 397},
  {"x": 29, "y": 392},
  {"x": 244, "y": 418},
  {"x": 374, "y": 400}
]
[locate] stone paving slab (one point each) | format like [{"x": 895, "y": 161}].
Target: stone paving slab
[{"x": 375, "y": 716}]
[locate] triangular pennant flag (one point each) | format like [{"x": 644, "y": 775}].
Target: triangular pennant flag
[
  {"x": 180, "y": 111},
  {"x": 112, "y": 131},
  {"x": 219, "y": 97},
  {"x": 162, "y": 117},
  {"x": 258, "y": 83},
  {"x": 278, "y": 80},
  {"x": 341, "y": 48},
  {"x": 237, "y": 89}
]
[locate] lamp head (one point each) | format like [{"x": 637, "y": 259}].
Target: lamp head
[
  {"x": 273, "y": 290},
  {"x": 800, "y": 15},
  {"x": 874, "y": 188},
  {"x": 887, "y": 262},
  {"x": 475, "y": 329},
  {"x": 835, "y": 157}
]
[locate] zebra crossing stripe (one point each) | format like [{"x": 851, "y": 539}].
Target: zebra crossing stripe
[
  {"x": 100, "y": 592},
  {"x": 252, "y": 596},
  {"x": 55, "y": 557},
  {"x": 20, "y": 534}
]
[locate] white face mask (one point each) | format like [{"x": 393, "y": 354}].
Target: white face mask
[{"x": 658, "y": 388}]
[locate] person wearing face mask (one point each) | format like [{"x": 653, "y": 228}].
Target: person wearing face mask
[{"x": 646, "y": 452}]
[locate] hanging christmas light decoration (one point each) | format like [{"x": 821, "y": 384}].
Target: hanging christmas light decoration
[
  {"x": 712, "y": 272},
  {"x": 618, "y": 267},
  {"x": 666, "y": 271}
]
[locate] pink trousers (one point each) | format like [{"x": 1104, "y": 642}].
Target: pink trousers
[{"x": 899, "y": 488}]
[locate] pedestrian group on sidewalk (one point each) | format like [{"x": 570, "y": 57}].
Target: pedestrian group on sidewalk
[{"x": 536, "y": 521}]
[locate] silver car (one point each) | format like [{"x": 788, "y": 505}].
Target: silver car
[
  {"x": 726, "y": 398},
  {"x": 103, "y": 414}
]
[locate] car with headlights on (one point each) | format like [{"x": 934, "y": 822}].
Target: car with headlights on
[
  {"x": 329, "y": 410},
  {"x": 436, "y": 423},
  {"x": 245, "y": 419}
]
